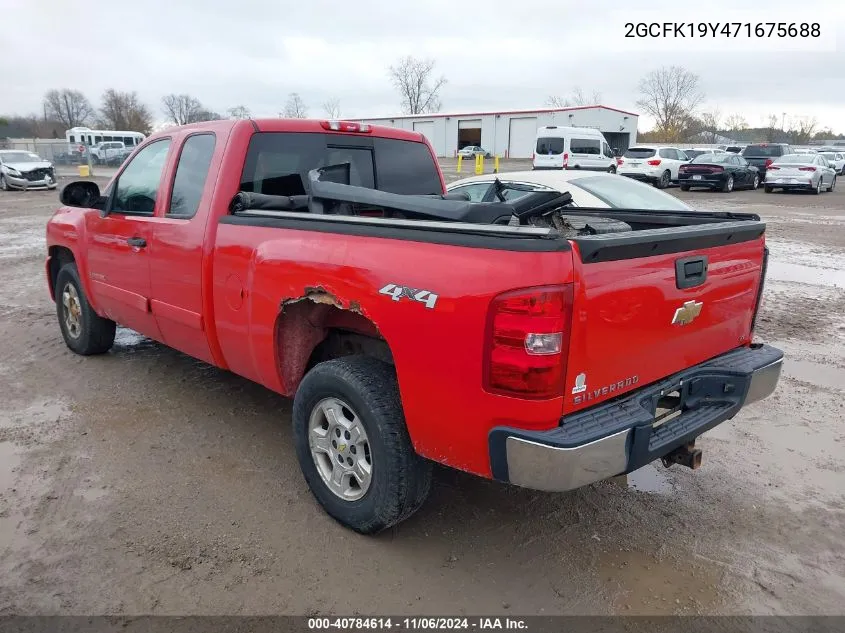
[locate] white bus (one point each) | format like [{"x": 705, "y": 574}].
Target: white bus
[{"x": 77, "y": 136}]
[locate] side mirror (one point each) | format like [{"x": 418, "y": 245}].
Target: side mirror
[{"x": 83, "y": 194}]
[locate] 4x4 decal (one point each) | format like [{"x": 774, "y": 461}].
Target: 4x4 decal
[{"x": 397, "y": 292}]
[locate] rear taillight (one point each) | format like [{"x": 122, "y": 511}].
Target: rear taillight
[
  {"x": 768, "y": 162},
  {"x": 620, "y": 160},
  {"x": 565, "y": 160},
  {"x": 527, "y": 341},
  {"x": 806, "y": 169},
  {"x": 772, "y": 168},
  {"x": 654, "y": 162}
]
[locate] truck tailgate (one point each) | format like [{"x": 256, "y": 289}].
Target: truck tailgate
[{"x": 650, "y": 303}]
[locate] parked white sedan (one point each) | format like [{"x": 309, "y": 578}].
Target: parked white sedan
[
  {"x": 588, "y": 189},
  {"x": 808, "y": 172}
]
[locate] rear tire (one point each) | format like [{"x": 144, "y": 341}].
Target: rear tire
[
  {"x": 756, "y": 182},
  {"x": 664, "y": 180},
  {"x": 367, "y": 391},
  {"x": 684, "y": 187},
  {"x": 4, "y": 186},
  {"x": 768, "y": 189},
  {"x": 611, "y": 169},
  {"x": 832, "y": 184},
  {"x": 818, "y": 188},
  {"x": 728, "y": 185},
  {"x": 84, "y": 331}
]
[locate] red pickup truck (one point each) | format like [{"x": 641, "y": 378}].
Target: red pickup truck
[{"x": 525, "y": 340}]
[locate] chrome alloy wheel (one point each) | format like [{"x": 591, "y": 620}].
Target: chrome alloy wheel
[
  {"x": 340, "y": 449},
  {"x": 72, "y": 310}
]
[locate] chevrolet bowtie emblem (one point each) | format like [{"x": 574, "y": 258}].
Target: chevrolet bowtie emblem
[{"x": 687, "y": 312}]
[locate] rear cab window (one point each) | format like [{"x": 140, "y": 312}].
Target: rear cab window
[{"x": 277, "y": 163}]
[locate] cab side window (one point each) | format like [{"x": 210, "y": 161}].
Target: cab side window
[
  {"x": 191, "y": 174},
  {"x": 137, "y": 188}
]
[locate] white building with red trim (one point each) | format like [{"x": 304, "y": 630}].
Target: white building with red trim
[{"x": 512, "y": 134}]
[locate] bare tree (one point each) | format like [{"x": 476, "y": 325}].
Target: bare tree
[
  {"x": 239, "y": 112},
  {"x": 710, "y": 124},
  {"x": 295, "y": 107},
  {"x": 670, "y": 94},
  {"x": 124, "y": 111},
  {"x": 772, "y": 127},
  {"x": 70, "y": 107},
  {"x": 417, "y": 86},
  {"x": 736, "y": 123},
  {"x": 182, "y": 109},
  {"x": 801, "y": 129},
  {"x": 555, "y": 101},
  {"x": 332, "y": 108},
  {"x": 577, "y": 98}
]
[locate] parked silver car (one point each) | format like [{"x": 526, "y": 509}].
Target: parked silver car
[
  {"x": 810, "y": 172},
  {"x": 471, "y": 151},
  {"x": 20, "y": 169}
]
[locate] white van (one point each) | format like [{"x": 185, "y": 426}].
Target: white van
[{"x": 572, "y": 148}]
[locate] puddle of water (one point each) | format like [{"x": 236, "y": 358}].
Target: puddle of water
[
  {"x": 649, "y": 479},
  {"x": 9, "y": 460},
  {"x": 36, "y": 413},
  {"x": 812, "y": 275},
  {"x": 129, "y": 338},
  {"x": 816, "y": 373}
]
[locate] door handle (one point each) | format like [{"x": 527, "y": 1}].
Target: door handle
[
  {"x": 136, "y": 242},
  {"x": 690, "y": 271}
]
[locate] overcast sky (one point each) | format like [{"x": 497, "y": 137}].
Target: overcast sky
[{"x": 496, "y": 54}]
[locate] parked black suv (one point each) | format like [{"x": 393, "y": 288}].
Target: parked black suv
[{"x": 761, "y": 155}]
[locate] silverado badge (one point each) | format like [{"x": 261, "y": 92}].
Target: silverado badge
[{"x": 687, "y": 313}]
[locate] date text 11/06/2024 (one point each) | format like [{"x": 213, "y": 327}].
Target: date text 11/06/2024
[
  {"x": 417, "y": 624},
  {"x": 718, "y": 30}
]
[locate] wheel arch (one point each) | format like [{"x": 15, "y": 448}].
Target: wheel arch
[
  {"x": 317, "y": 327},
  {"x": 57, "y": 256}
]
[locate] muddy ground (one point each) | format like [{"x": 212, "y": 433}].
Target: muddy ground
[{"x": 143, "y": 481}]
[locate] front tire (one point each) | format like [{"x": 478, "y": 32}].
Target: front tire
[
  {"x": 84, "y": 331},
  {"x": 353, "y": 447}
]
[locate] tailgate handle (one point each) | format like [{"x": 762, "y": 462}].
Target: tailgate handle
[{"x": 690, "y": 271}]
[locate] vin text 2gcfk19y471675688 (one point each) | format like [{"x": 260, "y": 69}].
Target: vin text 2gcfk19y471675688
[{"x": 323, "y": 260}]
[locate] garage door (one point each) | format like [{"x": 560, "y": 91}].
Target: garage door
[
  {"x": 426, "y": 128},
  {"x": 523, "y": 134}
]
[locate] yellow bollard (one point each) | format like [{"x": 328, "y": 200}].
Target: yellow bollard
[
  {"x": 479, "y": 164},
  {"x": 460, "y": 160},
  {"x": 496, "y": 164},
  {"x": 84, "y": 171}
]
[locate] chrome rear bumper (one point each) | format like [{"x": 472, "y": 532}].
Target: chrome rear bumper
[{"x": 619, "y": 437}]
